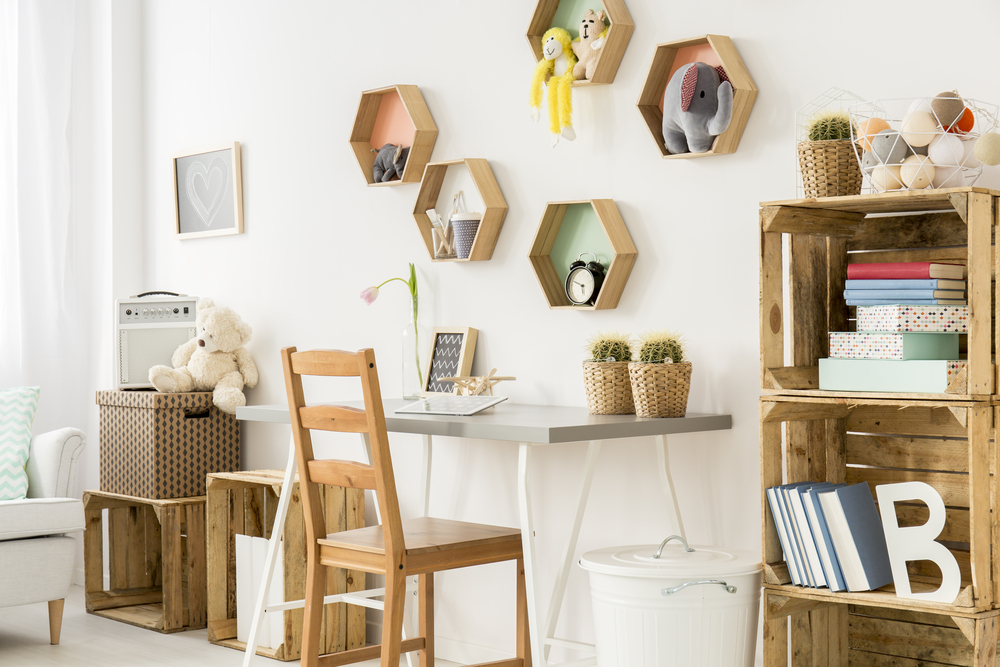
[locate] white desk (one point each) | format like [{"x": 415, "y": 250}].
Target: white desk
[{"x": 529, "y": 426}]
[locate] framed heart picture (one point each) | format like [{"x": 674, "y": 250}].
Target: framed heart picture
[{"x": 208, "y": 192}]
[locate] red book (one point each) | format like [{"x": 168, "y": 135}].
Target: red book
[{"x": 905, "y": 271}]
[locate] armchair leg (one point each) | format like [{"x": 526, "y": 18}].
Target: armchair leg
[{"x": 55, "y": 619}]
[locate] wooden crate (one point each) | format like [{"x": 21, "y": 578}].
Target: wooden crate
[
  {"x": 246, "y": 503},
  {"x": 825, "y": 234},
  {"x": 156, "y": 560},
  {"x": 946, "y": 444}
]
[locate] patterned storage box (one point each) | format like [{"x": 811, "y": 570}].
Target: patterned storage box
[
  {"x": 913, "y": 318},
  {"x": 158, "y": 446},
  {"x": 893, "y": 345}
]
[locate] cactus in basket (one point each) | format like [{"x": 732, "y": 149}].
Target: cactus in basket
[
  {"x": 661, "y": 346},
  {"x": 829, "y": 125},
  {"x": 610, "y": 346}
]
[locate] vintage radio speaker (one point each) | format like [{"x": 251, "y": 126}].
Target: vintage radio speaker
[{"x": 148, "y": 328}]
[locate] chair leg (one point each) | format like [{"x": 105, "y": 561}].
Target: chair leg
[
  {"x": 313, "y": 617},
  {"x": 392, "y": 617},
  {"x": 55, "y": 619},
  {"x": 426, "y": 616},
  {"x": 523, "y": 637}
]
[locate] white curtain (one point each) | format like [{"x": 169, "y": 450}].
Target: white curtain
[{"x": 40, "y": 341}]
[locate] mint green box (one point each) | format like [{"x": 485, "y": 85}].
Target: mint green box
[{"x": 889, "y": 375}]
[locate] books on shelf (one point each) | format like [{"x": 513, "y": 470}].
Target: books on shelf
[
  {"x": 905, "y": 317},
  {"x": 857, "y": 535},
  {"x": 909, "y": 294},
  {"x": 905, "y": 271},
  {"x": 928, "y": 376},
  {"x": 893, "y": 345},
  {"x": 908, "y": 302},
  {"x": 905, "y": 284}
]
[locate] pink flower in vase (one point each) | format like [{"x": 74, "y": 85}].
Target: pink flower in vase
[{"x": 369, "y": 294}]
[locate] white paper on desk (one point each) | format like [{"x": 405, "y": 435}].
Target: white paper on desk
[{"x": 251, "y": 557}]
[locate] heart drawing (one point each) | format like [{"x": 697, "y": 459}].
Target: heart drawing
[{"x": 212, "y": 190}]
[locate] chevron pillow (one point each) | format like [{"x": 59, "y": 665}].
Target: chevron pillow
[{"x": 17, "y": 411}]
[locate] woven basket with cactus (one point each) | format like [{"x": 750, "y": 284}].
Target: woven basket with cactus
[
  {"x": 826, "y": 159},
  {"x": 661, "y": 378},
  {"x": 605, "y": 374}
]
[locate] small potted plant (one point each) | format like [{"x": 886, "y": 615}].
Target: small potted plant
[
  {"x": 661, "y": 378},
  {"x": 827, "y": 161},
  {"x": 605, "y": 374}
]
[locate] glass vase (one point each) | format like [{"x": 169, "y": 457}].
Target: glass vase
[{"x": 414, "y": 364}]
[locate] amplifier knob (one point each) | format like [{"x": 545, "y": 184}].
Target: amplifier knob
[
  {"x": 145, "y": 312},
  {"x": 176, "y": 311},
  {"x": 128, "y": 312}
]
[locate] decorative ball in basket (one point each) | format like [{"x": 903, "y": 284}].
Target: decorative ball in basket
[
  {"x": 605, "y": 375},
  {"x": 661, "y": 379},
  {"x": 926, "y": 142}
]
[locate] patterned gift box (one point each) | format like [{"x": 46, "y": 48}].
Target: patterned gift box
[
  {"x": 913, "y": 318},
  {"x": 156, "y": 446},
  {"x": 893, "y": 345}
]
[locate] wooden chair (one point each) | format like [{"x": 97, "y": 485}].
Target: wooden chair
[{"x": 396, "y": 548}]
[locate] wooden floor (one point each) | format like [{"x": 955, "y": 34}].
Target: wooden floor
[{"x": 92, "y": 641}]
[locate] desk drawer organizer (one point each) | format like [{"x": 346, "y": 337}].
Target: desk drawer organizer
[{"x": 156, "y": 445}]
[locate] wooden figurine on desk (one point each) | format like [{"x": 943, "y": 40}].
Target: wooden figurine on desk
[{"x": 476, "y": 385}]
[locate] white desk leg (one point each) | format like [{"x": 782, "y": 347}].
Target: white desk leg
[
  {"x": 566, "y": 566},
  {"x": 272, "y": 554},
  {"x": 663, "y": 462},
  {"x": 530, "y": 554}
]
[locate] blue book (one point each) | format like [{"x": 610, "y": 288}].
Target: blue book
[
  {"x": 903, "y": 294},
  {"x": 931, "y": 283},
  {"x": 779, "y": 524},
  {"x": 808, "y": 537},
  {"x": 795, "y": 533},
  {"x": 907, "y": 302},
  {"x": 858, "y": 538},
  {"x": 827, "y": 552}
]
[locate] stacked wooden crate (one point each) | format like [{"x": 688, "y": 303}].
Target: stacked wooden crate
[{"x": 941, "y": 439}]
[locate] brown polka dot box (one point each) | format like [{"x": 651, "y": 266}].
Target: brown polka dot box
[
  {"x": 155, "y": 445},
  {"x": 913, "y": 318}
]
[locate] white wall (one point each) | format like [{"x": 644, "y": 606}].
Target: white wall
[{"x": 284, "y": 79}]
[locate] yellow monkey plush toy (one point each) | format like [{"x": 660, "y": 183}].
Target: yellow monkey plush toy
[{"x": 556, "y": 70}]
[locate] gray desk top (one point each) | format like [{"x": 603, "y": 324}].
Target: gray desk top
[{"x": 540, "y": 424}]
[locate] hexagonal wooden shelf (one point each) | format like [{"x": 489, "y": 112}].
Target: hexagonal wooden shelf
[
  {"x": 619, "y": 34},
  {"x": 424, "y": 132},
  {"x": 744, "y": 92},
  {"x": 495, "y": 206},
  {"x": 617, "y": 273}
]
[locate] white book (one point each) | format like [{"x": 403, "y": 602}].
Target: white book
[{"x": 808, "y": 541}]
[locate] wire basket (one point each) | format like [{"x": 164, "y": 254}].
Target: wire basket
[{"x": 917, "y": 143}]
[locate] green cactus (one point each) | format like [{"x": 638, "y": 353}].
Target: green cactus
[
  {"x": 828, "y": 125},
  {"x": 608, "y": 345},
  {"x": 656, "y": 346}
]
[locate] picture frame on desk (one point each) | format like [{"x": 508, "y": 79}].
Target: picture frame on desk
[
  {"x": 208, "y": 192},
  {"x": 451, "y": 353}
]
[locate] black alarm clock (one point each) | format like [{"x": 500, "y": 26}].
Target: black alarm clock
[{"x": 584, "y": 281}]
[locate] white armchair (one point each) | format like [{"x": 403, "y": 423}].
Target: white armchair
[{"x": 36, "y": 553}]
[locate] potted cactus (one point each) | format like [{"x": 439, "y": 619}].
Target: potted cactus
[
  {"x": 826, "y": 158},
  {"x": 661, "y": 378},
  {"x": 605, "y": 374}
]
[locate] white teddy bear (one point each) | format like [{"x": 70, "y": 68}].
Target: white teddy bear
[{"x": 215, "y": 360}]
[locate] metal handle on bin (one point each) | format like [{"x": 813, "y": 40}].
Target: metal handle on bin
[
  {"x": 671, "y": 591},
  {"x": 659, "y": 552}
]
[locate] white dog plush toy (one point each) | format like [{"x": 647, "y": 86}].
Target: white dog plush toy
[{"x": 215, "y": 360}]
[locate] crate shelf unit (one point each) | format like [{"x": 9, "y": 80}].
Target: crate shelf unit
[
  {"x": 946, "y": 444},
  {"x": 246, "y": 503},
  {"x": 823, "y": 235}
]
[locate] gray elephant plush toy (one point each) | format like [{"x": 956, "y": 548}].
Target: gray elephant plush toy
[
  {"x": 390, "y": 161},
  {"x": 697, "y": 107}
]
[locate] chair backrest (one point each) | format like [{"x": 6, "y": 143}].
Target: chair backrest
[{"x": 370, "y": 421}]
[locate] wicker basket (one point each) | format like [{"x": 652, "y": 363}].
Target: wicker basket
[
  {"x": 829, "y": 168},
  {"x": 660, "y": 390},
  {"x": 609, "y": 391}
]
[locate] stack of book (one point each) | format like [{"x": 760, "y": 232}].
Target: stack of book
[
  {"x": 916, "y": 283},
  {"x": 831, "y": 535}
]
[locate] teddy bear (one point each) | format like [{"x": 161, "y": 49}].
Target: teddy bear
[
  {"x": 215, "y": 360},
  {"x": 588, "y": 46}
]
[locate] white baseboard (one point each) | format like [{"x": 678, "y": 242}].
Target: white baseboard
[{"x": 452, "y": 650}]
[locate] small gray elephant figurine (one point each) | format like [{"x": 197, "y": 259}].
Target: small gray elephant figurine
[
  {"x": 390, "y": 161},
  {"x": 697, "y": 107}
]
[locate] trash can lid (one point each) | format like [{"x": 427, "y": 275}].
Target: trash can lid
[{"x": 674, "y": 560}]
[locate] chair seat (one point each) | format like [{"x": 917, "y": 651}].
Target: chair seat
[
  {"x": 35, "y": 517},
  {"x": 442, "y": 542}
]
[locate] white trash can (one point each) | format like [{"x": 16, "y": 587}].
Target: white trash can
[{"x": 676, "y": 606}]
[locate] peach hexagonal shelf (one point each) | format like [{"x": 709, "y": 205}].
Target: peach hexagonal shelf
[
  {"x": 393, "y": 115},
  {"x": 713, "y": 50},
  {"x": 569, "y": 228},
  {"x": 494, "y": 206},
  {"x": 568, "y": 14}
]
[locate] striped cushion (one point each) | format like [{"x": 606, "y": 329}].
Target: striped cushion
[{"x": 17, "y": 410}]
